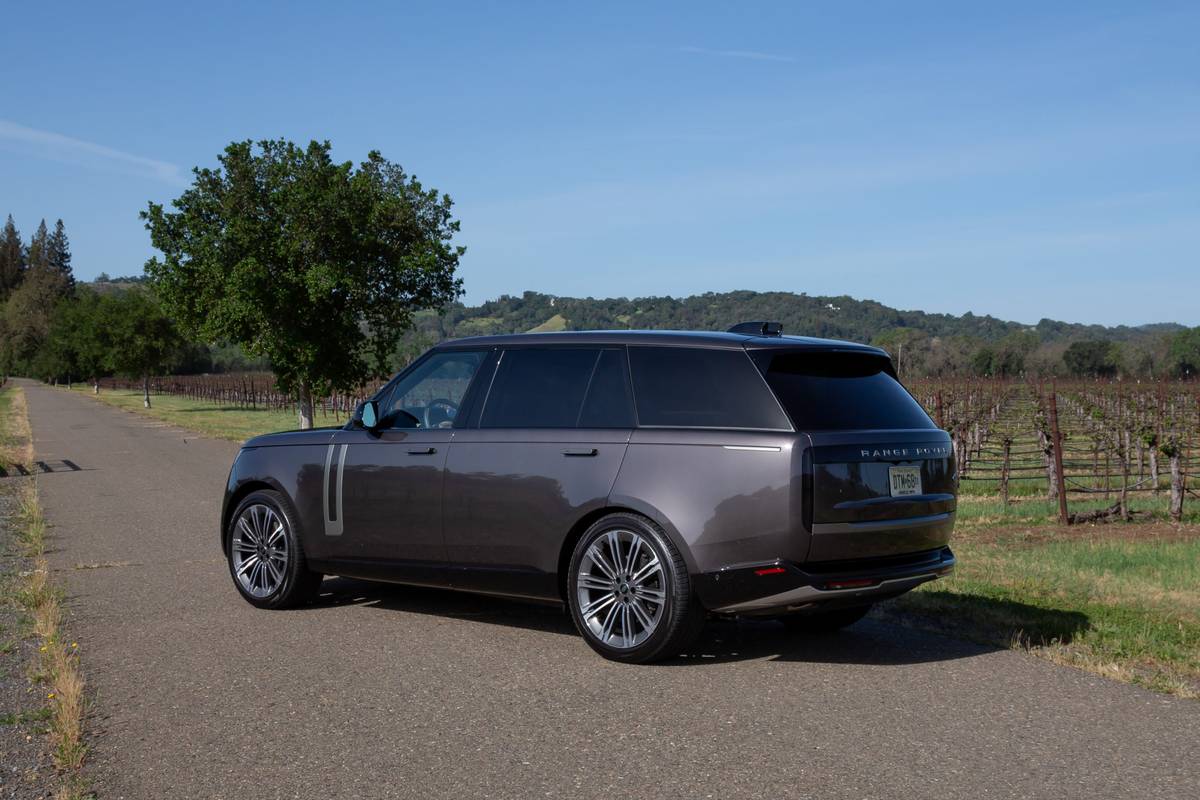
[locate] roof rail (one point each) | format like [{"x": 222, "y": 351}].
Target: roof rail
[{"x": 758, "y": 328}]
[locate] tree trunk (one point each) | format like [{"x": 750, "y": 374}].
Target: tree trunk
[
  {"x": 95, "y": 386},
  {"x": 305, "y": 406},
  {"x": 1176, "y": 488},
  {"x": 146, "y": 391},
  {"x": 1154, "y": 468}
]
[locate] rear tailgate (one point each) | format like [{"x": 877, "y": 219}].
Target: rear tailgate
[{"x": 880, "y": 493}]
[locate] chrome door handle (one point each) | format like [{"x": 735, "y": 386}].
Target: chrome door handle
[
  {"x": 581, "y": 452},
  {"x": 428, "y": 451}
]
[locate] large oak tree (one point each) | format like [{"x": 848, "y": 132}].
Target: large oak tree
[{"x": 316, "y": 265}]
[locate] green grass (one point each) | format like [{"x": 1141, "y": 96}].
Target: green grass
[
  {"x": 1121, "y": 601},
  {"x": 991, "y": 510},
  {"x": 210, "y": 419}
]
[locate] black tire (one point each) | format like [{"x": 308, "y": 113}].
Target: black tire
[
  {"x": 825, "y": 621},
  {"x": 299, "y": 584},
  {"x": 680, "y": 617}
]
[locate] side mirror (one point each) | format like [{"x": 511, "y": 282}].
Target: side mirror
[{"x": 367, "y": 415}]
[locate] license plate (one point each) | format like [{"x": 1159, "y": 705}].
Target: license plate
[{"x": 905, "y": 481}]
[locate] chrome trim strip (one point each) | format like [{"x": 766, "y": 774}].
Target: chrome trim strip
[
  {"x": 806, "y": 594},
  {"x": 333, "y": 527},
  {"x": 751, "y": 447},
  {"x": 880, "y": 524}
]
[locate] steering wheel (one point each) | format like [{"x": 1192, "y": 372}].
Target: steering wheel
[{"x": 440, "y": 413}]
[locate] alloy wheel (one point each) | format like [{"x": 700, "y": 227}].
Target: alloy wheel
[
  {"x": 621, "y": 588},
  {"x": 260, "y": 550}
]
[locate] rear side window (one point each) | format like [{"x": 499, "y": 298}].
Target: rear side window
[
  {"x": 539, "y": 388},
  {"x": 609, "y": 403},
  {"x": 683, "y": 387},
  {"x": 840, "y": 391}
]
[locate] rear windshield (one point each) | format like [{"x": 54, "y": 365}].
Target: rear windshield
[
  {"x": 682, "y": 387},
  {"x": 840, "y": 391}
]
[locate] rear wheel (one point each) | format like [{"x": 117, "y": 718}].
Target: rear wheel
[
  {"x": 824, "y": 621},
  {"x": 266, "y": 559},
  {"x": 629, "y": 591}
]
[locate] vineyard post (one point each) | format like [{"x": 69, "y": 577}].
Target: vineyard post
[
  {"x": 1058, "y": 460},
  {"x": 1004, "y": 469}
]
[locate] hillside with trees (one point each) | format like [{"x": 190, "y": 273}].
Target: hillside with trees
[{"x": 923, "y": 343}]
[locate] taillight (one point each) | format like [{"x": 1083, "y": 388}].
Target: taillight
[{"x": 770, "y": 571}]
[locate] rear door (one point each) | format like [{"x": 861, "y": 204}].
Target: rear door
[{"x": 545, "y": 451}]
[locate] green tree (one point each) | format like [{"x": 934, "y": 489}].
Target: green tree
[
  {"x": 79, "y": 341},
  {"x": 28, "y": 313},
  {"x": 12, "y": 259},
  {"x": 315, "y": 265},
  {"x": 58, "y": 255},
  {"x": 1183, "y": 355},
  {"x": 1092, "y": 359},
  {"x": 38, "y": 254},
  {"x": 142, "y": 340}
]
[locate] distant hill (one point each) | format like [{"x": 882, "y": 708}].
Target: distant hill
[
  {"x": 833, "y": 317},
  {"x": 923, "y": 343}
]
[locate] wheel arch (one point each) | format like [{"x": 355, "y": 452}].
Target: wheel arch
[
  {"x": 236, "y": 496},
  {"x": 587, "y": 520}
]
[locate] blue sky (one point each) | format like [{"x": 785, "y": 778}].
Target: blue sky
[{"x": 1021, "y": 160}]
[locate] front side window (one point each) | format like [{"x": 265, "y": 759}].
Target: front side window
[
  {"x": 430, "y": 395},
  {"x": 689, "y": 387}
]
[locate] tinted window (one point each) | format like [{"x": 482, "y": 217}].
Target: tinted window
[
  {"x": 429, "y": 396},
  {"x": 697, "y": 388},
  {"x": 840, "y": 391},
  {"x": 539, "y": 388},
  {"x": 608, "y": 403}
]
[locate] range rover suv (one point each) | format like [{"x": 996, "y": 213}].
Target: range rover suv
[{"x": 644, "y": 479}]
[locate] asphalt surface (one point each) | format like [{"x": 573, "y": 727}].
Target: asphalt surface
[{"x": 382, "y": 691}]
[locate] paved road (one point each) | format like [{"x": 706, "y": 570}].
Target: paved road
[{"x": 397, "y": 692}]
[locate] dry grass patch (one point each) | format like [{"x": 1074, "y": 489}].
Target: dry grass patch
[{"x": 57, "y": 670}]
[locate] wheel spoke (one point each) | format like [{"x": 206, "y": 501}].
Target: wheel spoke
[
  {"x": 646, "y": 593},
  {"x": 589, "y": 581},
  {"x": 614, "y": 547},
  {"x": 276, "y": 572},
  {"x": 635, "y": 550},
  {"x": 626, "y": 633},
  {"x": 645, "y": 573},
  {"x": 606, "y": 629},
  {"x": 247, "y": 565},
  {"x": 598, "y": 559},
  {"x": 242, "y": 546},
  {"x": 276, "y": 534},
  {"x": 247, "y": 530},
  {"x": 596, "y": 605},
  {"x": 643, "y": 618}
]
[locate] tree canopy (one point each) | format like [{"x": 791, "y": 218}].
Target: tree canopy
[{"x": 313, "y": 264}]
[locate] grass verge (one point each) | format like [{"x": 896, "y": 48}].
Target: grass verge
[
  {"x": 1117, "y": 600},
  {"x": 209, "y": 419},
  {"x": 57, "y": 668}
]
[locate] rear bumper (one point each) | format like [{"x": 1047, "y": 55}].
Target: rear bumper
[{"x": 784, "y": 587}]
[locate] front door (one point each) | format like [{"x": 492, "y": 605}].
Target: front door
[{"x": 384, "y": 487}]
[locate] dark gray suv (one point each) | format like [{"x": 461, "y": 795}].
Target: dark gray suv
[{"x": 645, "y": 479}]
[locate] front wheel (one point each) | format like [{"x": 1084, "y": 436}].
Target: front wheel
[
  {"x": 630, "y": 594},
  {"x": 266, "y": 559}
]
